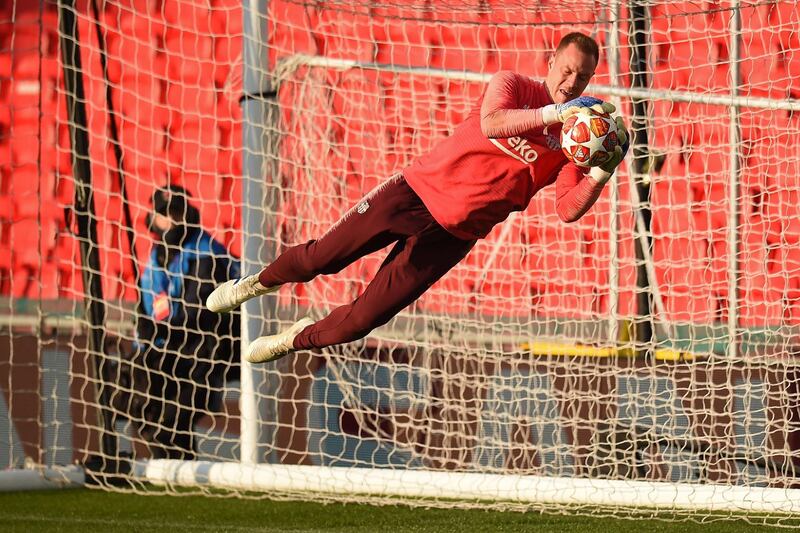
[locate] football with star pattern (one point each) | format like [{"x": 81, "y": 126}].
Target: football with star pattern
[{"x": 588, "y": 138}]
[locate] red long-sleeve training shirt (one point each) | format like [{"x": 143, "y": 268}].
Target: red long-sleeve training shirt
[{"x": 496, "y": 160}]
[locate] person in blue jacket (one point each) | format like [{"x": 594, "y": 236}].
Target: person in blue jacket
[{"x": 183, "y": 353}]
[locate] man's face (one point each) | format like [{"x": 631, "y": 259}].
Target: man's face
[
  {"x": 569, "y": 74},
  {"x": 161, "y": 224}
]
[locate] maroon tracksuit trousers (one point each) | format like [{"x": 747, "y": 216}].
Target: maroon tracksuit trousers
[{"x": 391, "y": 213}]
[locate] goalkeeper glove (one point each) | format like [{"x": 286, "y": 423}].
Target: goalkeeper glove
[
  {"x": 561, "y": 112},
  {"x": 603, "y": 172}
]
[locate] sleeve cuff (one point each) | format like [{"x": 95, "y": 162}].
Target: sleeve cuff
[
  {"x": 549, "y": 114},
  {"x": 599, "y": 175}
]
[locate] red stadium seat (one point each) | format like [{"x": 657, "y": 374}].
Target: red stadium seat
[
  {"x": 6, "y": 208},
  {"x": 756, "y": 124},
  {"x": 774, "y": 159},
  {"x": 229, "y": 161},
  {"x": 231, "y": 150},
  {"x": 30, "y": 185},
  {"x": 115, "y": 260},
  {"x": 6, "y": 263},
  {"x": 667, "y": 130},
  {"x": 358, "y": 96},
  {"x": 189, "y": 58},
  {"x": 759, "y": 235},
  {"x": 33, "y": 241},
  {"x": 665, "y": 109},
  {"x": 714, "y": 201},
  {"x": 408, "y": 42},
  {"x": 226, "y": 17},
  {"x": 24, "y": 187},
  {"x": 60, "y": 158},
  {"x": 188, "y": 15},
  {"x": 70, "y": 283},
  {"x": 683, "y": 273},
  {"x": 711, "y": 165},
  {"x": 756, "y": 16},
  {"x": 501, "y": 11},
  {"x": 23, "y": 282},
  {"x": 413, "y": 101},
  {"x": 230, "y": 196},
  {"x": 229, "y": 113},
  {"x": 791, "y": 311},
  {"x": 5, "y": 150},
  {"x": 792, "y": 67},
  {"x": 190, "y": 104},
  {"x": 785, "y": 167},
  {"x": 215, "y": 214},
  {"x": 135, "y": 21},
  {"x": 596, "y": 273},
  {"x": 667, "y": 77},
  {"x": 667, "y": 135},
  {"x": 498, "y": 278},
  {"x": 761, "y": 70},
  {"x": 227, "y": 56},
  {"x": 785, "y": 20},
  {"x": 707, "y": 78},
  {"x": 462, "y": 97},
  {"x": 139, "y": 99},
  {"x": 28, "y": 131},
  {"x": 520, "y": 49},
  {"x": 370, "y": 159},
  {"x": 358, "y": 100},
  {"x": 143, "y": 147},
  {"x": 206, "y": 188},
  {"x": 706, "y": 124},
  {"x": 563, "y": 301},
  {"x": 761, "y": 308},
  {"x": 671, "y": 199},
  {"x": 233, "y": 194},
  {"x": 28, "y": 39},
  {"x": 289, "y": 31},
  {"x": 553, "y": 258},
  {"x": 108, "y": 207},
  {"x": 195, "y": 149},
  {"x": 133, "y": 58},
  {"x": 116, "y": 12},
  {"x": 32, "y": 78},
  {"x": 347, "y": 35},
  {"x": 780, "y": 219},
  {"x": 558, "y": 22},
  {"x": 66, "y": 253},
  {"x": 47, "y": 287},
  {"x": 712, "y": 29},
  {"x": 672, "y": 19},
  {"x": 467, "y": 48},
  {"x": 787, "y": 266}
]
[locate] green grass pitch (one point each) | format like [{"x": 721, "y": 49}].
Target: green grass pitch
[{"x": 91, "y": 510}]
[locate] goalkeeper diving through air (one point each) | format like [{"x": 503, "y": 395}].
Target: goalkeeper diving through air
[{"x": 435, "y": 209}]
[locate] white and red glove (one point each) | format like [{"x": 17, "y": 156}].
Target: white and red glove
[
  {"x": 603, "y": 172},
  {"x": 561, "y": 112}
]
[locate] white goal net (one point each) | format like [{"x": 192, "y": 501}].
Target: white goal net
[{"x": 641, "y": 357}]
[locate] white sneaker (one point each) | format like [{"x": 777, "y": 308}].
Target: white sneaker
[
  {"x": 235, "y": 292},
  {"x": 272, "y": 347}
]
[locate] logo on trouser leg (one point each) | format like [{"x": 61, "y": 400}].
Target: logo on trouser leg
[{"x": 362, "y": 208}]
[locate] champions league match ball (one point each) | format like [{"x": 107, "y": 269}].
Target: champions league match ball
[{"x": 589, "y": 139}]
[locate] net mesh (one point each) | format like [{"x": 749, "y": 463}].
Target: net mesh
[{"x": 527, "y": 358}]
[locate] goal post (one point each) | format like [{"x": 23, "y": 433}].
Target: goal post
[
  {"x": 516, "y": 382},
  {"x": 260, "y": 196}
]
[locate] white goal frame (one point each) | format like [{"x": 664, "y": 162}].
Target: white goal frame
[
  {"x": 510, "y": 488},
  {"x": 435, "y": 488}
]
